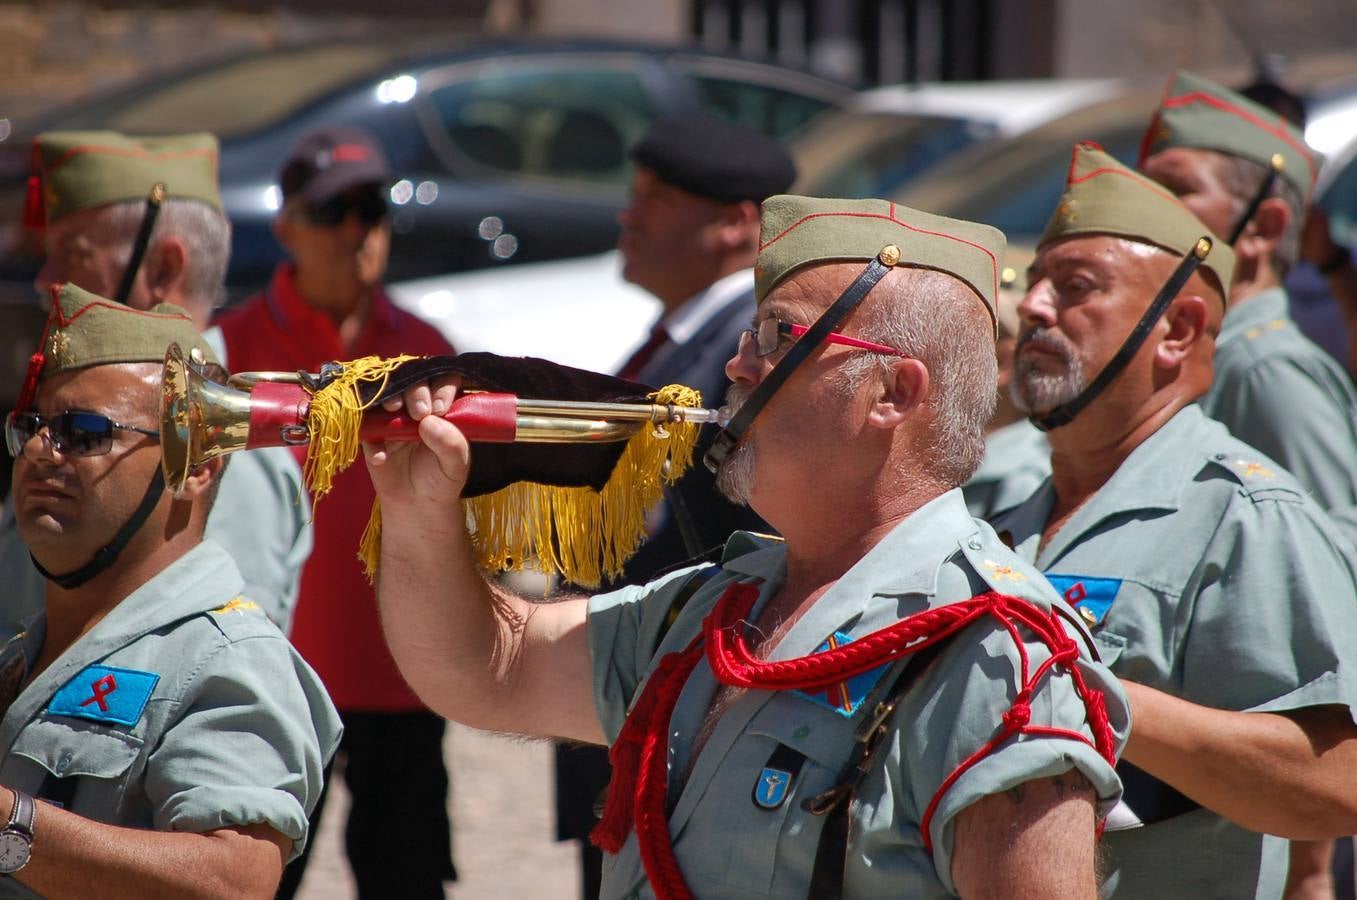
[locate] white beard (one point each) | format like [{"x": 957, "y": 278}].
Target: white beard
[
  {"x": 1036, "y": 392},
  {"x": 735, "y": 477}
]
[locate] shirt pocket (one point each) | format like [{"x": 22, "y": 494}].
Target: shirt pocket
[
  {"x": 85, "y": 766},
  {"x": 736, "y": 824}
]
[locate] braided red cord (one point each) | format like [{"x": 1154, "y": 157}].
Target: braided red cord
[{"x": 637, "y": 793}]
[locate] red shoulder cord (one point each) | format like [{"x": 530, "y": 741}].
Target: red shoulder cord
[{"x": 639, "y": 785}]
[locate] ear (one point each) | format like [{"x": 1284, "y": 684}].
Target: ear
[
  {"x": 164, "y": 269},
  {"x": 199, "y": 482},
  {"x": 902, "y": 391},
  {"x": 1265, "y": 229},
  {"x": 738, "y": 222},
  {"x": 1186, "y": 320},
  {"x": 282, "y": 230}
]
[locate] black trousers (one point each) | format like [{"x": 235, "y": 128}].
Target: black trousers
[
  {"x": 397, "y": 838},
  {"x": 582, "y": 772}
]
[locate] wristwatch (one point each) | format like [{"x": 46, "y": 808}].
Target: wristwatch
[{"x": 16, "y": 838}]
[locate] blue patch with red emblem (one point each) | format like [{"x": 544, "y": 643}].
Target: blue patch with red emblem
[
  {"x": 1083, "y": 592},
  {"x": 105, "y": 694},
  {"x": 846, "y": 696}
]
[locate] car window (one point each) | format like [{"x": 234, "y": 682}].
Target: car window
[
  {"x": 542, "y": 121},
  {"x": 234, "y": 98},
  {"x": 859, "y": 154},
  {"x": 771, "y": 110}
]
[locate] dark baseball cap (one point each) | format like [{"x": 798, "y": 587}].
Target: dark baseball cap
[
  {"x": 328, "y": 161},
  {"x": 715, "y": 159}
]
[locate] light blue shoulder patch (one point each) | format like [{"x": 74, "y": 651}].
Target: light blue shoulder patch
[
  {"x": 105, "y": 694},
  {"x": 1090, "y": 596},
  {"x": 845, "y": 697}
]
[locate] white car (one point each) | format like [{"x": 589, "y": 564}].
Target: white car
[{"x": 578, "y": 312}]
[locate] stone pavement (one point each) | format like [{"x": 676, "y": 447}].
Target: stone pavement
[{"x": 503, "y": 826}]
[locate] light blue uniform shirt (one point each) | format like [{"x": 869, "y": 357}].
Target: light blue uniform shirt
[
  {"x": 730, "y": 846},
  {"x": 183, "y": 709},
  {"x": 1213, "y": 577},
  {"x": 1017, "y": 460},
  {"x": 1282, "y": 395}
]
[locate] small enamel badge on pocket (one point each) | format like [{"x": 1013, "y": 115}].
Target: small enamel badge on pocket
[{"x": 775, "y": 781}]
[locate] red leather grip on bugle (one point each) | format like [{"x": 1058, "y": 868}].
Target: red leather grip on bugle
[
  {"x": 275, "y": 406},
  {"x": 486, "y": 418}
]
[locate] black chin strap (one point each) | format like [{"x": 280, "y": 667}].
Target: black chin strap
[
  {"x": 143, "y": 239},
  {"x": 1259, "y": 196},
  {"x": 1065, "y": 413},
  {"x": 107, "y": 554},
  {"x": 799, "y": 351}
]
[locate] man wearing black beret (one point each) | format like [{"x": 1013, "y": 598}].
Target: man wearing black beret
[{"x": 689, "y": 236}]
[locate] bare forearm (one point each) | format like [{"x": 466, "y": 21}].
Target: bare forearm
[
  {"x": 1284, "y": 775},
  {"x": 77, "y": 857},
  {"x": 466, "y": 646}
]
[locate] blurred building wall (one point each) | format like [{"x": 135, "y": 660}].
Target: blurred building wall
[
  {"x": 1110, "y": 37},
  {"x": 56, "y": 50}
]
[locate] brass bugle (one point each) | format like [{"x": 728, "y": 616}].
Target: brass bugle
[{"x": 201, "y": 419}]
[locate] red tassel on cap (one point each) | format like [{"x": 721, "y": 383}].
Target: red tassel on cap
[
  {"x": 30, "y": 391},
  {"x": 35, "y": 211}
]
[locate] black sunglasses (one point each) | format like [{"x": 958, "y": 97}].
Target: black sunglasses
[
  {"x": 71, "y": 433},
  {"x": 368, "y": 205}
]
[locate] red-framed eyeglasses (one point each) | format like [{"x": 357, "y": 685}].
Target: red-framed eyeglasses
[{"x": 768, "y": 335}]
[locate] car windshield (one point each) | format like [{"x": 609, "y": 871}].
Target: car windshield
[
  {"x": 232, "y": 98},
  {"x": 862, "y": 154}
]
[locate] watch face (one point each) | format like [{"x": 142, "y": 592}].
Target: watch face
[{"x": 14, "y": 851}]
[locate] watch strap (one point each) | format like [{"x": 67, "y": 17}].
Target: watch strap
[{"x": 24, "y": 813}]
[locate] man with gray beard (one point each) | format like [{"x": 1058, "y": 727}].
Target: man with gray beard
[
  {"x": 1215, "y": 587},
  {"x": 775, "y": 696}
]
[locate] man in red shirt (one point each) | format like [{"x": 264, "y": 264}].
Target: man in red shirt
[{"x": 327, "y": 303}]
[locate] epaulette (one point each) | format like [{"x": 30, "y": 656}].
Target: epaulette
[
  {"x": 1260, "y": 477},
  {"x": 1254, "y": 332},
  {"x": 241, "y": 618}
]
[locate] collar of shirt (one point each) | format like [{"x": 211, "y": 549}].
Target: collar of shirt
[
  {"x": 1260, "y": 309},
  {"x": 1154, "y": 477},
  {"x": 907, "y": 561},
  {"x": 683, "y": 323},
  {"x": 296, "y": 316}
]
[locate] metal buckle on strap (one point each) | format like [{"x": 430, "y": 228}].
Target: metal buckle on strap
[{"x": 870, "y": 726}]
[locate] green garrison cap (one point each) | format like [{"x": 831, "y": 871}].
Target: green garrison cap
[
  {"x": 1102, "y": 196},
  {"x": 74, "y": 170},
  {"x": 802, "y": 231},
  {"x": 1201, "y": 114},
  {"x": 85, "y": 330}
]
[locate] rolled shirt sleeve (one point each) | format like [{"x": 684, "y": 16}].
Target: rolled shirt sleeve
[{"x": 250, "y": 746}]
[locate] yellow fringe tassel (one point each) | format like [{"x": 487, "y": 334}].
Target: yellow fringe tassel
[
  {"x": 578, "y": 532},
  {"x": 335, "y": 418}
]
